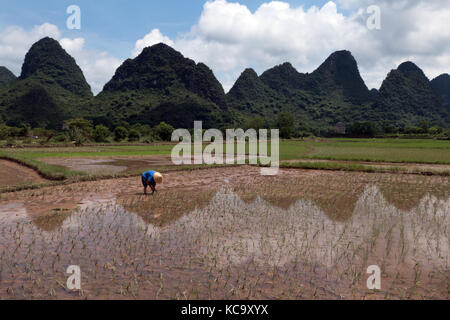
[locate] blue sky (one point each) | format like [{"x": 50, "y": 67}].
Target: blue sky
[{"x": 231, "y": 35}]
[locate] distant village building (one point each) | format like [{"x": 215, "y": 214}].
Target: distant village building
[{"x": 341, "y": 128}]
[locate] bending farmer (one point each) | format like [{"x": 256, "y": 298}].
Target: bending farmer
[{"x": 151, "y": 178}]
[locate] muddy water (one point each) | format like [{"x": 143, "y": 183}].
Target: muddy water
[
  {"x": 90, "y": 166},
  {"x": 224, "y": 247},
  {"x": 113, "y": 165}
]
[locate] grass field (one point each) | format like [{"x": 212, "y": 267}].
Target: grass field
[{"x": 383, "y": 150}]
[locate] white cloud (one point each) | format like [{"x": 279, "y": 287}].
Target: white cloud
[
  {"x": 150, "y": 39},
  {"x": 98, "y": 67},
  {"x": 229, "y": 37},
  {"x": 72, "y": 45},
  {"x": 15, "y": 43}
]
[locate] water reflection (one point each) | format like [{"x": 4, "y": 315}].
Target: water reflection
[{"x": 224, "y": 236}]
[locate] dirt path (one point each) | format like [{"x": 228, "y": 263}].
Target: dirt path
[{"x": 14, "y": 174}]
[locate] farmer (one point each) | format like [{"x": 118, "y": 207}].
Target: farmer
[{"x": 151, "y": 178}]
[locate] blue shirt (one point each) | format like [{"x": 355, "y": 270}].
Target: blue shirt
[{"x": 148, "y": 176}]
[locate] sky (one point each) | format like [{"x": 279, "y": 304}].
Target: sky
[{"x": 230, "y": 36}]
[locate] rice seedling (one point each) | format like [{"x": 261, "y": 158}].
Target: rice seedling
[{"x": 309, "y": 235}]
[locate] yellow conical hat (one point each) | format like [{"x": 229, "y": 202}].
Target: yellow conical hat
[{"x": 158, "y": 177}]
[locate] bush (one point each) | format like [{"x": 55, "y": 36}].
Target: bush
[
  {"x": 164, "y": 131},
  {"x": 40, "y": 132},
  {"x": 10, "y": 142},
  {"x": 4, "y": 132},
  {"x": 79, "y": 130},
  {"x": 364, "y": 129},
  {"x": 133, "y": 135},
  {"x": 257, "y": 123},
  {"x": 101, "y": 133},
  {"x": 25, "y": 129},
  {"x": 27, "y": 141},
  {"x": 286, "y": 123},
  {"x": 445, "y": 134},
  {"x": 120, "y": 134},
  {"x": 61, "y": 138},
  {"x": 15, "y": 132},
  {"x": 435, "y": 130},
  {"x": 124, "y": 124},
  {"x": 414, "y": 130},
  {"x": 144, "y": 130},
  {"x": 78, "y": 136},
  {"x": 304, "y": 134}
]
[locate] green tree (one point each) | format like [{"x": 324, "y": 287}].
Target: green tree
[
  {"x": 120, "y": 134},
  {"x": 366, "y": 129},
  {"x": 79, "y": 130},
  {"x": 164, "y": 131},
  {"x": 413, "y": 130},
  {"x": 256, "y": 122},
  {"x": 15, "y": 132},
  {"x": 143, "y": 129},
  {"x": 101, "y": 133},
  {"x": 286, "y": 123},
  {"x": 435, "y": 130},
  {"x": 25, "y": 128},
  {"x": 424, "y": 126},
  {"x": 133, "y": 135},
  {"x": 124, "y": 124},
  {"x": 4, "y": 132}
]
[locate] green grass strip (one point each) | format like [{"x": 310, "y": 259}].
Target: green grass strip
[
  {"x": 45, "y": 170},
  {"x": 334, "y": 166}
]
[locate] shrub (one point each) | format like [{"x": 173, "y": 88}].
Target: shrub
[
  {"x": 10, "y": 142},
  {"x": 144, "y": 130},
  {"x": 27, "y": 141},
  {"x": 15, "y": 132},
  {"x": 257, "y": 123},
  {"x": 365, "y": 129},
  {"x": 414, "y": 130},
  {"x": 78, "y": 136},
  {"x": 120, "y": 134},
  {"x": 79, "y": 130},
  {"x": 133, "y": 135},
  {"x": 101, "y": 133},
  {"x": 164, "y": 131},
  {"x": 25, "y": 129},
  {"x": 61, "y": 138},
  {"x": 4, "y": 132},
  {"x": 286, "y": 124},
  {"x": 435, "y": 130}
]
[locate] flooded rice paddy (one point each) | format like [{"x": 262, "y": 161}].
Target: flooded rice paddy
[{"x": 230, "y": 233}]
